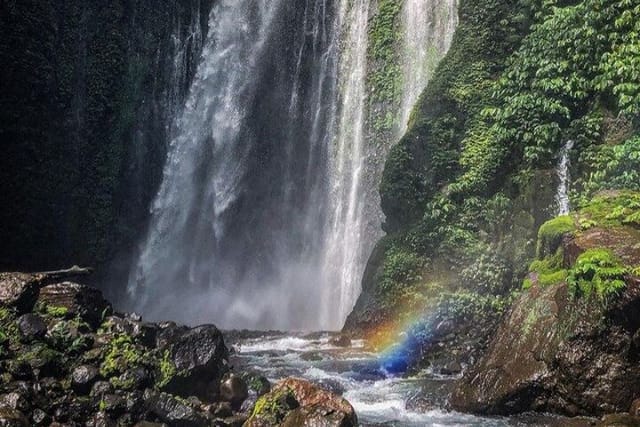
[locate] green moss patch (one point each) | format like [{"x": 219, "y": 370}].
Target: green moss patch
[{"x": 551, "y": 233}]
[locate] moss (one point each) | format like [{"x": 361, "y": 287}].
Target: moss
[
  {"x": 167, "y": 370},
  {"x": 548, "y": 271},
  {"x": 551, "y": 233},
  {"x": 597, "y": 272},
  {"x": 57, "y": 311},
  {"x": 273, "y": 407},
  {"x": 122, "y": 355}
]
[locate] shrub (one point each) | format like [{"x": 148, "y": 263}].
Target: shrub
[{"x": 599, "y": 272}]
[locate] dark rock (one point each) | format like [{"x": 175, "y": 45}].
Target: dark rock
[
  {"x": 79, "y": 300},
  {"x": 234, "y": 390},
  {"x": 220, "y": 410},
  {"x": 83, "y": 377},
  {"x": 40, "y": 418},
  {"x": 150, "y": 424},
  {"x": 237, "y": 420},
  {"x": 10, "y": 417},
  {"x": 173, "y": 411},
  {"x": 249, "y": 403},
  {"x": 113, "y": 405},
  {"x": 144, "y": 333},
  {"x": 101, "y": 419},
  {"x": 101, "y": 388},
  {"x": 342, "y": 340},
  {"x": 137, "y": 378},
  {"x": 168, "y": 333},
  {"x": 553, "y": 354},
  {"x": 200, "y": 358},
  {"x": 31, "y": 326}
]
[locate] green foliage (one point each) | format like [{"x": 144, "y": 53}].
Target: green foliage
[
  {"x": 471, "y": 304},
  {"x": 386, "y": 78},
  {"x": 613, "y": 167},
  {"x": 56, "y": 311},
  {"x": 401, "y": 269},
  {"x": 599, "y": 272},
  {"x": 612, "y": 209},
  {"x": 551, "y": 233}
]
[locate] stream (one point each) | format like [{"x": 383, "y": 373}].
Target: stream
[{"x": 379, "y": 399}]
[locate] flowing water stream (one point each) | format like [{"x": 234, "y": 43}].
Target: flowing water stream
[
  {"x": 379, "y": 399},
  {"x": 564, "y": 179}
]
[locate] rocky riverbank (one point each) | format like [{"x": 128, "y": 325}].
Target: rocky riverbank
[{"x": 67, "y": 358}]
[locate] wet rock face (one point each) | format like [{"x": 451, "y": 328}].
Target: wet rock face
[
  {"x": 199, "y": 356},
  {"x": 556, "y": 354}
]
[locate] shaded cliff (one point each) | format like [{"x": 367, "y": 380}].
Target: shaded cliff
[{"x": 88, "y": 89}]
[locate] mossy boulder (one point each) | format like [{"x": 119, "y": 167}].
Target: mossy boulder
[
  {"x": 571, "y": 341},
  {"x": 296, "y": 402}
]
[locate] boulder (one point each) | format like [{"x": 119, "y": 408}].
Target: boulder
[
  {"x": 12, "y": 418},
  {"x": 234, "y": 390},
  {"x": 18, "y": 400},
  {"x": 19, "y": 290},
  {"x": 32, "y": 326},
  {"x": 83, "y": 378},
  {"x": 200, "y": 359},
  {"x": 553, "y": 353},
  {"x": 79, "y": 300},
  {"x": 176, "y": 413},
  {"x": 295, "y": 402}
]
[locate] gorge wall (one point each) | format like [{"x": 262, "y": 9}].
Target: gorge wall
[{"x": 88, "y": 91}]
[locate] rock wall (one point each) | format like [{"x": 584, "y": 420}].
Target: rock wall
[{"x": 88, "y": 90}]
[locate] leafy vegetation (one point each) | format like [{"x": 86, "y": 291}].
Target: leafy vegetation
[{"x": 597, "y": 272}]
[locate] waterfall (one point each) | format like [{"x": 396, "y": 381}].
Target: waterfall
[
  {"x": 564, "y": 178},
  {"x": 427, "y": 32},
  {"x": 263, "y": 219}
]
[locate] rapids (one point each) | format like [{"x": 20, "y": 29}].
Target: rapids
[{"x": 379, "y": 398}]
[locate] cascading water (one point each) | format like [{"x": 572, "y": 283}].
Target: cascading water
[
  {"x": 261, "y": 220},
  {"x": 427, "y": 32},
  {"x": 564, "y": 178}
]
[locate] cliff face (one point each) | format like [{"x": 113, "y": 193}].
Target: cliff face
[
  {"x": 88, "y": 90},
  {"x": 481, "y": 166}
]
